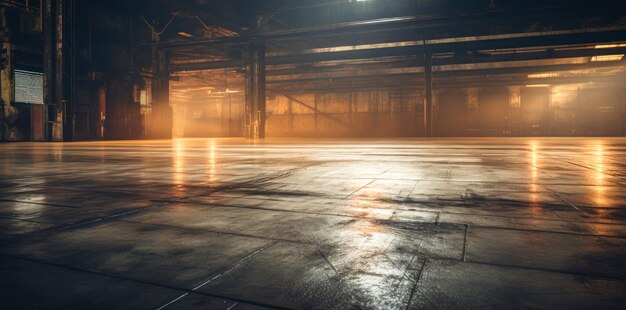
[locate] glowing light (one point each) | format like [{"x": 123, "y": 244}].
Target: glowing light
[
  {"x": 227, "y": 91},
  {"x": 185, "y": 34},
  {"x": 534, "y": 174},
  {"x": 607, "y": 57},
  {"x": 515, "y": 97},
  {"x": 178, "y": 163},
  {"x": 212, "y": 160},
  {"x": 556, "y": 74},
  {"x": 599, "y": 197},
  {"x": 610, "y": 45},
  {"x": 562, "y": 95},
  {"x": 533, "y": 160},
  {"x": 544, "y": 75},
  {"x": 538, "y": 85}
]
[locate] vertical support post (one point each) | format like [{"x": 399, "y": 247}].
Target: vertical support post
[
  {"x": 290, "y": 113},
  {"x": 248, "y": 121},
  {"x": 473, "y": 125},
  {"x": 162, "y": 115},
  {"x": 255, "y": 91},
  {"x": 59, "y": 72},
  {"x": 230, "y": 110},
  {"x": 262, "y": 109},
  {"x": 428, "y": 95},
  {"x": 7, "y": 97},
  {"x": 316, "y": 114},
  {"x": 623, "y": 108},
  {"x": 515, "y": 103},
  {"x": 48, "y": 68},
  {"x": 434, "y": 112},
  {"x": 548, "y": 114},
  {"x": 67, "y": 37},
  {"x": 8, "y": 112},
  {"x": 577, "y": 128}
]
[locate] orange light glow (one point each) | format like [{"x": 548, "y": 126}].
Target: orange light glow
[
  {"x": 608, "y": 57},
  {"x": 534, "y": 176},
  {"x": 212, "y": 160},
  {"x": 599, "y": 197},
  {"x": 178, "y": 163}
]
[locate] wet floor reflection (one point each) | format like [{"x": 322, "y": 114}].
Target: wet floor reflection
[
  {"x": 599, "y": 197},
  {"x": 363, "y": 210},
  {"x": 212, "y": 159},
  {"x": 601, "y": 189},
  {"x": 178, "y": 165},
  {"x": 362, "y": 218},
  {"x": 533, "y": 195}
]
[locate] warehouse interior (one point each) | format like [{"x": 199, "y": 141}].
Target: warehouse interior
[{"x": 312, "y": 154}]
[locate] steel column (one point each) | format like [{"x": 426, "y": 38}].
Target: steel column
[
  {"x": 49, "y": 44},
  {"x": 428, "y": 95},
  {"x": 250, "y": 91},
  {"x": 262, "y": 111},
  {"x": 59, "y": 70},
  {"x": 162, "y": 115},
  {"x": 8, "y": 112},
  {"x": 255, "y": 91}
]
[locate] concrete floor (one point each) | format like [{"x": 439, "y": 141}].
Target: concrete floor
[{"x": 315, "y": 224}]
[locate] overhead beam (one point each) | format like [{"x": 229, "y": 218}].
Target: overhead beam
[
  {"x": 314, "y": 109},
  {"x": 405, "y": 23},
  {"x": 410, "y": 51},
  {"x": 454, "y": 73},
  {"x": 414, "y": 83}
]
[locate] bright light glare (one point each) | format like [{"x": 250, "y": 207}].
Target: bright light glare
[
  {"x": 610, "y": 45},
  {"x": 538, "y": 85},
  {"x": 185, "y": 34},
  {"x": 544, "y": 75},
  {"x": 608, "y": 57}
]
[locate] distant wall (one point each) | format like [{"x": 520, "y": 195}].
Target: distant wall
[
  {"x": 209, "y": 117},
  {"x": 374, "y": 113},
  {"x": 565, "y": 110}
]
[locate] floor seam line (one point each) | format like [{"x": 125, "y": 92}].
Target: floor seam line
[
  {"x": 122, "y": 278},
  {"x": 398, "y": 209},
  {"x": 414, "y": 289},
  {"x": 103, "y": 219},
  {"x": 572, "y": 273},
  {"x": 360, "y": 188},
  {"x": 569, "y": 203},
  {"x": 465, "y": 242},
  {"x": 219, "y": 275}
]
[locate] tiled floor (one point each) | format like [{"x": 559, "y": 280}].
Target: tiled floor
[{"x": 314, "y": 224}]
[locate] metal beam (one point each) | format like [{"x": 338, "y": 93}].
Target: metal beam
[
  {"x": 410, "y": 23},
  {"x": 318, "y": 111},
  {"x": 376, "y": 74},
  {"x": 416, "y": 82},
  {"x": 409, "y": 54}
]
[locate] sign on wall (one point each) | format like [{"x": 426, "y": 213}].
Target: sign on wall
[{"x": 28, "y": 87}]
